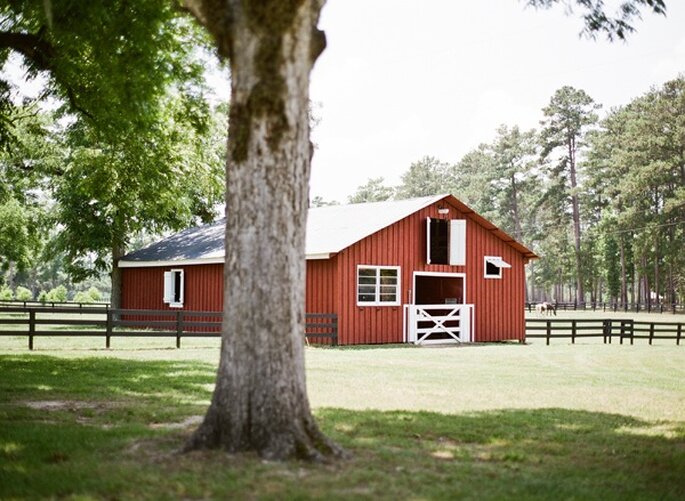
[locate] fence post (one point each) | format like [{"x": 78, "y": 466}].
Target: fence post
[
  {"x": 179, "y": 327},
  {"x": 32, "y": 327},
  {"x": 651, "y": 332},
  {"x": 573, "y": 332},
  {"x": 680, "y": 333},
  {"x": 606, "y": 329},
  {"x": 549, "y": 331},
  {"x": 334, "y": 328},
  {"x": 108, "y": 329}
]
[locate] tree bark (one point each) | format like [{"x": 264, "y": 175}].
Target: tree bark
[
  {"x": 576, "y": 218},
  {"x": 657, "y": 284},
  {"x": 260, "y": 400},
  {"x": 518, "y": 232},
  {"x": 624, "y": 280},
  {"x": 117, "y": 277}
]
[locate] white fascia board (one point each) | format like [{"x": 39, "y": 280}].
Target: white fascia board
[
  {"x": 322, "y": 255},
  {"x": 194, "y": 262},
  {"x": 175, "y": 262}
]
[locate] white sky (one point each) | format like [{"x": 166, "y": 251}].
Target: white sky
[{"x": 401, "y": 79}]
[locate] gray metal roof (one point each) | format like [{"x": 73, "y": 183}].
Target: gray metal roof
[
  {"x": 329, "y": 230},
  {"x": 199, "y": 243}
]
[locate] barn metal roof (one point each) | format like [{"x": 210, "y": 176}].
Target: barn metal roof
[
  {"x": 202, "y": 244},
  {"x": 329, "y": 230},
  {"x": 336, "y": 227}
]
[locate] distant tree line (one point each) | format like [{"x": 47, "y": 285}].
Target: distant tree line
[{"x": 602, "y": 202}]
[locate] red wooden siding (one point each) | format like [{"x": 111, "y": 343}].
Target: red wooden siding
[
  {"x": 322, "y": 293},
  {"x": 143, "y": 288},
  {"x": 498, "y": 304},
  {"x": 322, "y": 288}
]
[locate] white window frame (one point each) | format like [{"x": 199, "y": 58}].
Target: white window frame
[
  {"x": 490, "y": 259},
  {"x": 377, "y": 301},
  {"x": 170, "y": 290}
]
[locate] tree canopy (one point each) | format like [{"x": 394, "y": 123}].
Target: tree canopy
[{"x": 131, "y": 120}]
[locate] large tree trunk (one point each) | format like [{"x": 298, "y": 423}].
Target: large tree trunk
[
  {"x": 260, "y": 400},
  {"x": 117, "y": 277}
]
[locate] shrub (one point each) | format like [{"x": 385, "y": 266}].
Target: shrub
[
  {"x": 23, "y": 294},
  {"x": 82, "y": 297},
  {"x": 95, "y": 294},
  {"x": 6, "y": 294},
  {"x": 43, "y": 297},
  {"x": 58, "y": 294}
]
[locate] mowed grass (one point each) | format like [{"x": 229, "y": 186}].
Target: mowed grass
[{"x": 589, "y": 421}]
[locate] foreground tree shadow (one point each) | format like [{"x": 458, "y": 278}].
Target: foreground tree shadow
[{"x": 115, "y": 425}]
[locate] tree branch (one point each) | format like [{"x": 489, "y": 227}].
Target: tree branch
[
  {"x": 31, "y": 46},
  {"x": 42, "y": 54}
]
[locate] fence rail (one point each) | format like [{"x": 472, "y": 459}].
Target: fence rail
[
  {"x": 675, "y": 308},
  {"x": 5, "y": 303},
  {"x": 608, "y": 329},
  {"x": 44, "y": 321}
]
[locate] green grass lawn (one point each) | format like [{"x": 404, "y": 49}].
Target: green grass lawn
[{"x": 589, "y": 421}]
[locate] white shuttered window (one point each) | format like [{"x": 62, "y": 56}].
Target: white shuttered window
[
  {"x": 446, "y": 241},
  {"x": 173, "y": 288}
]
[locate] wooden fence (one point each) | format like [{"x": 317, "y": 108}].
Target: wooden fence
[
  {"x": 9, "y": 303},
  {"x": 36, "y": 321},
  {"x": 674, "y": 308},
  {"x": 607, "y": 329}
]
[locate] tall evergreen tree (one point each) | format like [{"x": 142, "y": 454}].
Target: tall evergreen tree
[{"x": 568, "y": 117}]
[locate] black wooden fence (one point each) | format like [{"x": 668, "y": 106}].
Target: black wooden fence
[
  {"x": 607, "y": 329},
  {"x": 36, "y": 321},
  {"x": 615, "y": 307}
]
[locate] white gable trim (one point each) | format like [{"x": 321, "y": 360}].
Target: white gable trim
[
  {"x": 176, "y": 262},
  {"x": 195, "y": 262}
]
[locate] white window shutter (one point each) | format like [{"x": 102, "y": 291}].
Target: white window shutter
[
  {"x": 428, "y": 241},
  {"x": 458, "y": 242},
  {"x": 168, "y": 287}
]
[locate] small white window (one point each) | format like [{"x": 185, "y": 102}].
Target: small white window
[
  {"x": 378, "y": 285},
  {"x": 493, "y": 266},
  {"x": 173, "y": 288}
]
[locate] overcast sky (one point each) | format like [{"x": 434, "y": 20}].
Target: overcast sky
[{"x": 401, "y": 79}]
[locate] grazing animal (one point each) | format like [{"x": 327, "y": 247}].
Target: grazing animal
[{"x": 546, "y": 308}]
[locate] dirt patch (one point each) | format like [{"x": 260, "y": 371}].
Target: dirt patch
[
  {"x": 63, "y": 405},
  {"x": 186, "y": 423}
]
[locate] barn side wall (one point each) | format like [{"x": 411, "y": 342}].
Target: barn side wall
[
  {"x": 498, "y": 304},
  {"x": 203, "y": 290},
  {"x": 143, "y": 288}
]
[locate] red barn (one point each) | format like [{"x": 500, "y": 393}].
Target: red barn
[{"x": 422, "y": 270}]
